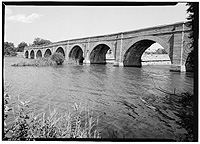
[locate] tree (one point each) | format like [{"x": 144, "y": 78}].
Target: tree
[
  {"x": 21, "y": 46},
  {"x": 39, "y": 42},
  {"x": 193, "y": 23},
  {"x": 9, "y": 49},
  {"x": 58, "y": 58}
]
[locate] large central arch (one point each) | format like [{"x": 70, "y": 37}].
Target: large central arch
[
  {"x": 98, "y": 54},
  {"x": 76, "y": 54},
  {"x": 60, "y": 50},
  {"x": 132, "y": 54}
]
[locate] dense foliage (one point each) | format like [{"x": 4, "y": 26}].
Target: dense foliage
[
  {"x": 21, "y": 46},
  {"x": 40, "y": 41},
  {"x": 58, "y": 58},
  {"x": 9, "y": 49},
  {"x": 193, "y": 23},
  {"x": 158, "y": 51}
]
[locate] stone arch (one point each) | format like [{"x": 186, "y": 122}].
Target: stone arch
[
  {"x": 133, "y": 52},
  {"x": 98, "y": 54},
  {"x": 39, "y": 54},
  {"x": 105, "y": 43},
  {"x": 32, "y": 54},
  {"x": 76, "y": 54},
  {"x": 26, "y": 54},
  {"x": 61, "y": 50},
  {"x": 47, "y": 53}
]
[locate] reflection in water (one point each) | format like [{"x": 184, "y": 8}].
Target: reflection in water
[{"x": 126, "y": 100}]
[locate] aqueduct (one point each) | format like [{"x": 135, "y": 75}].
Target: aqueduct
[{"x": 127, "y": 47}]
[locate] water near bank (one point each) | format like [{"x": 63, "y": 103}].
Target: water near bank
[{"x": 123, "y": 98}]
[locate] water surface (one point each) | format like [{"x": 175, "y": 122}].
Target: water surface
[{"x": 123, "y": 98}]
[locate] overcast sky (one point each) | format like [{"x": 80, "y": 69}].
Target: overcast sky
[{"x": 68, "y": 22}]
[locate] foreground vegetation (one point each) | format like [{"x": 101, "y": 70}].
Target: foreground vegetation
[
  {"x": 30, "y": 125},
  {"x": 184, "y": 105}
]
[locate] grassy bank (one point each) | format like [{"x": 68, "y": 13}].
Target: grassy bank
[{"x": 30, "y": 125}]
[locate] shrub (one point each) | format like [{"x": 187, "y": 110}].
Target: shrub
[{"x": 58, "y": 58}]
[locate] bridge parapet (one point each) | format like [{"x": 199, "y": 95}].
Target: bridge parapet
[{"x": 158, "y": 30}]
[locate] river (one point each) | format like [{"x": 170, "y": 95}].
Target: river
[{"x": 122, "y": 97}]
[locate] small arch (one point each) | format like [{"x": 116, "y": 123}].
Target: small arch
[
  {"x": 39, "y": 54},
  {"x": 26, "y": 54},
  {"x": 98, "y": 54},
  {"x": 60, "y": 50},
  {"x": 32, "y": 54},
  {"x": 47, "y": 53},
  {"x": 76, "y": 54}
]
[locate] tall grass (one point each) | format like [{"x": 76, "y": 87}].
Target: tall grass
[{"x": 28, "y": 125}]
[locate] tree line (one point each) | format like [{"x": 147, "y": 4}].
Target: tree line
[
  {"x": 158, "y": 51},
  {"x": 11, "y": 50}
]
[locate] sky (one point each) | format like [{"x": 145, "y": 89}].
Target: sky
[{"x": 69, "y": 22}]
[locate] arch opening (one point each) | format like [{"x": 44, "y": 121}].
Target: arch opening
[
  {"x": 132, "y": 57},
  {"x": 61, "y": 50},
  {"x": 26, "y": 54},
  {"x": 32, "y": 54},
  {"x": 39, "y": 54},
  {"x": 76, "y": 55},
  {"x": 98, "y": 54},
  {"x": 47, "y": 53},
  {"x": 155, "y": 55}
]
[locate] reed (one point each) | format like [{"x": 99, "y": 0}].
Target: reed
[{"x": 28, "y": 125}]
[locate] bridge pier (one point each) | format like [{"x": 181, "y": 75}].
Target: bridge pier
[
  {"x": 86, "y": 58},
  {"x": 86, "y": 61},
  {"x": 35, "y": 52},
  {"x": 118, "y": 64},
  {"x": 177, "y": 68}
]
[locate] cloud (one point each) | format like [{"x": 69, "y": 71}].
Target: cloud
[
  {"x": 8, "y": 11},
  {"x": 23, "y": 18}
]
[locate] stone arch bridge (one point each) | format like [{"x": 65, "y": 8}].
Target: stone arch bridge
[{"x": 127, "y": 47}]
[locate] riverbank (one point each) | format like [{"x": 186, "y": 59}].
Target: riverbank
[
  {"x": 147, "y": 59},
  {"x": 155, "y": 59}
]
